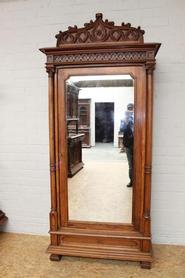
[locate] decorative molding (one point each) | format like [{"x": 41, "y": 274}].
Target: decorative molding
[
  {"x": 100, "y": 31},
  {"x": 148, "y": 170},
  {"x": 52, "y": 167},
  {"x": 151, "y": 55},
  {"x": 101, "y": 57},
  {"x": 50, "y": 70},
  {"x": 50, "y": 59},
  {"x": 150, "y": 66}
]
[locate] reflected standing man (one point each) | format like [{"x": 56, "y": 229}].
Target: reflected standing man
[{"x": 127, "y": 127}]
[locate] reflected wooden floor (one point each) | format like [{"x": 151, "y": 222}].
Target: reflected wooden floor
[{"x": 98, "y": 192}]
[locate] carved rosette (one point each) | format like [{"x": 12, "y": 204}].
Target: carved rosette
[{"x": 100, "y": 31}]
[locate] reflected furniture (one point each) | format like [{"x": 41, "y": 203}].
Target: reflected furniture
[
  {"x": 75, "y": 163},
  {"x": 3, "y": 218},
  {"x": 74, "y": 137},
  {"x": 84, "y": 121},
  {"x": 100, "y": 48}
]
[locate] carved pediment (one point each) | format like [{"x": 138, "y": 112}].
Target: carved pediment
[{"x": 99, "y": 31}]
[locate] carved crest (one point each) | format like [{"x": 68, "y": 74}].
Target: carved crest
[{"x": 100, "y": 31}]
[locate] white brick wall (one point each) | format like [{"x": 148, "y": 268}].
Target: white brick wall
[{"x": 28, "y": 25}]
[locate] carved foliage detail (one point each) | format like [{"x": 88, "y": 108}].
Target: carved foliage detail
[
  {"x": 98, "y": 57},
  {"x": 100, "y": 31}
]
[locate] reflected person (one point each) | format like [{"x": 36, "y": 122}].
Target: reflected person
[{"x": 127, "y": 127}]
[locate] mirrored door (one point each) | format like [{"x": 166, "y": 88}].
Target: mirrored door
[{"x": 100, "y": 178}]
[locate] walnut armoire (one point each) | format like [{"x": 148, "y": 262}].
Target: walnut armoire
[{"x": 101, "y": 47}]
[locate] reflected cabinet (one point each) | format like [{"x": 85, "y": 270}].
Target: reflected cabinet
[{"x": 100, "y": 130}]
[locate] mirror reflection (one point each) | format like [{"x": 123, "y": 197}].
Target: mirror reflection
[{"x": 100, "y": 128}]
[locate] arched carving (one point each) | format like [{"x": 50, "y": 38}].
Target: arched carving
[{"x": 100, "y": 31}]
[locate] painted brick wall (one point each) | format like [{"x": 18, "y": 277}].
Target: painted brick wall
[{"x": 28, "y": 25}]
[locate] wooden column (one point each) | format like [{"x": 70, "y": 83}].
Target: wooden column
[
  {"x": 53, "y": 212},
  {"x": 147, "y": 246}
]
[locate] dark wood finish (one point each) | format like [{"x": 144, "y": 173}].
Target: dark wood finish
[
  {"x": 101, "y": 48},
  {"x": 75, "y": 163},
  {"x": 3, "y": 217},
  {"x": 72, "y": 101},
  {"x": 55, "y": 257},
  {"x": 146, "y": 265},
  {"x": 84, "y": 121},
  {"x": 75, "y": 139},
  {"x": 100, "y": 31}
]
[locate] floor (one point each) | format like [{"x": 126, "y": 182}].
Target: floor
[
  {"x": 103, "y": 152},
  {"x": 24, "y": 256},
  {"x": 98, "y": 192}
]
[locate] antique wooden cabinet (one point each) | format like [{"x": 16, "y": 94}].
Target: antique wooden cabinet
[
  {"x": 84, "y": 120},
  {"x": 101, "y": 48},
  {"x": 74, "y": 137},
  {"x": 3, "y": 217}
]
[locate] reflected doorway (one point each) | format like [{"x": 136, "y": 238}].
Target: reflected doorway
[{"x": 104, "y": 122}]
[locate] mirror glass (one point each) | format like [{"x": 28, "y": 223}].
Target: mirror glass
[{"x": 100, "y": 129}]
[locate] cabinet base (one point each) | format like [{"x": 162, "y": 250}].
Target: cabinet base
[
  {"x": 55, "y": 257},
  {"x": 75, "y": 169},
  {"x": 145, "y": 259},
  {"x": 146, "y": 265}
]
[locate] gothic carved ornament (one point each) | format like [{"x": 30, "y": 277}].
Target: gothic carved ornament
[
  {"x": 99, "y": 57},
  {"x": 101, "y": 42},
  {"x": 100, "y": 31}
]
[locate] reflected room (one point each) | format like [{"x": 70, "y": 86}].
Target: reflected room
[{"x": 100, "y": 130}]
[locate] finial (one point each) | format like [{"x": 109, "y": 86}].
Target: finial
[{"x": 99, "y": 16}]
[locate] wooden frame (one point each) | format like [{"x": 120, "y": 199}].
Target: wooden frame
[{"x": 100, "y": 47}]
